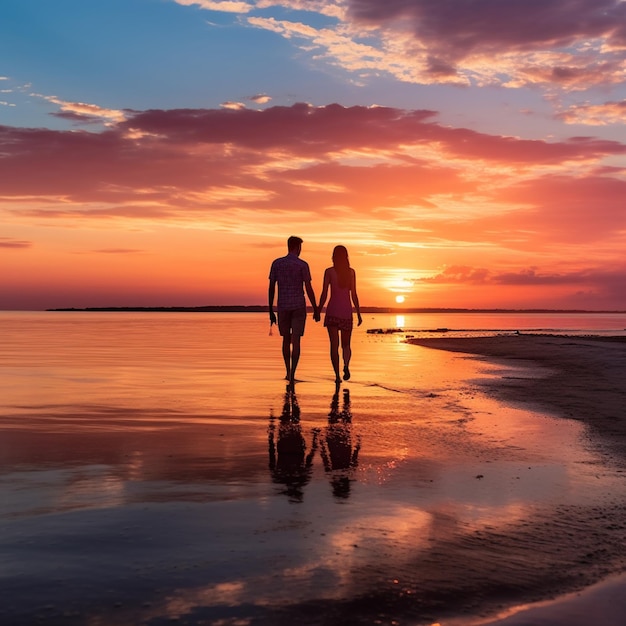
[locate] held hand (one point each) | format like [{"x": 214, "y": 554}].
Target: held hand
[
  {"x": 272, "y": 318},
  {"x": 316, "y": 314}
]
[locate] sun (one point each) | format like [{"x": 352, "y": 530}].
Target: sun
[{"x": 399, "y": 299}]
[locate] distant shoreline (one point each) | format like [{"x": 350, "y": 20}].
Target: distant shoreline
[{"x": 364, "y": 309}]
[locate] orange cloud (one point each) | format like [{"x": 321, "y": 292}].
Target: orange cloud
[
  {"x": 603, "y": 284},
  {"x": 14, "y": 244},
  {"x": 603, "y": 114}
]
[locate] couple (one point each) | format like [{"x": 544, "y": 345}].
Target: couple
[{"x": 291, "y": 274}]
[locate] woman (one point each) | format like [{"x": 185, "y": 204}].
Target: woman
[{"x": 338, "y": 319}]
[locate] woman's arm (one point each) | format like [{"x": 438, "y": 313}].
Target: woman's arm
[
  {"x": 355, "y": 298},
  {"x": 324, "y": 289}
]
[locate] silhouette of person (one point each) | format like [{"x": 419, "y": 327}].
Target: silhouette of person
[
  {"x": 341, "y": 279},
  {"x": 339, "y": 455},
  {"x": 289, "y": 464},
  {"x": 291, "y": 273}
]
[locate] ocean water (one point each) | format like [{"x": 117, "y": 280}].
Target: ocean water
[
  {"x": 154, "y": 467},
  {"x": 220, "y": 363},
  {"x": 476, "y": 323}
]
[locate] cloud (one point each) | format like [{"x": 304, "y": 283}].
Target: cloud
[
  {"x": 118, "y": 251},
  {"x": 569, "y": 44},
  {"x": 375, "y": 166},
  {"x": 260, "y": 98},
  {"x": 567, "y": 208},
  {"x": 457, "y": 38},
  {"x": 569, "y": 72},
  {"x": 491, "y": 24},
  {"x": 84, "y": 112},
  {"x": 604, "y": 114},
  {"x": 227, "y": 6},
  {"x": 329, "y": 8},
  {"x": 235, "y": 106},
  {"x": 148, "y": 155},
  {"x": 578, "y": 288},
  {"x": 14, "y": 244},
  {"x": 306, "y": 130},
  {"x": 605, "y": 281},
  {"x": 456, "y": 274}
]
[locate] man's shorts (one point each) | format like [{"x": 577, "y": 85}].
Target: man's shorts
[{"x": 292, "y": 322}]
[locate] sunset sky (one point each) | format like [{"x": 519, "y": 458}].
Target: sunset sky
[{"x": 469, "y": 153}]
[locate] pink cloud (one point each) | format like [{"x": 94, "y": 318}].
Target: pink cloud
[
  {"x": 152, "y": 154},
  {"x": 14, "y": 244},
  {"x": 316, "y": 131},
  {"x": 159, "y": 164},
  {"x": 374, "y": 186},
  {"x": 451, "y": 33},
  {"x": 301, "y": 128},
  {"x": 566, "y": 208},
  {"x": 595, "y": 114},
  {"x": 118, "y": 251},
  {"x": 541, "y": 213},
  {"x": 605, "y": 285},
  {"x": 456, "y": 29},
  {"x": 457, "y": 274}
]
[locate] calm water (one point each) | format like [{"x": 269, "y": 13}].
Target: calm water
[
  {"x": 153, "y": 468},
  {"x": 489, "y": 323},
  {"x": 183, "y": 365}
]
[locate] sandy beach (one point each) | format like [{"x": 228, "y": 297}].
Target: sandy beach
[
  {"x": 143, "y": 484},
  {"x": 579, "y": 379},
  {"x": 582, "y": 378}
]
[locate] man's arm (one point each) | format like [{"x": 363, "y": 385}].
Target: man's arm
[
  {"x": 311, "y": 294},
  {"x": 270, "y": 296}
]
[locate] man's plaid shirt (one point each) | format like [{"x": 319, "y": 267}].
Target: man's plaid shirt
[{"x": 290, "y": 272}]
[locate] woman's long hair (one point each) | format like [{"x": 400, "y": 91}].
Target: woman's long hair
[{"x": 341, "y": 263}]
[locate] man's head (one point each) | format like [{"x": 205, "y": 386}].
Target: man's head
[{"x": 294, "y": 244}]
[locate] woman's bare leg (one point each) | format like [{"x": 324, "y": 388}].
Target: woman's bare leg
[
  {"x": 346, "y": 349},
  {"x": 333, "y": 335}
]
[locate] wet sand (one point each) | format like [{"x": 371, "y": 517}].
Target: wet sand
[
  {"x": 579, "y": 379},
  {"x": 584, "y": 378},
  {"x": 143, "y": 483}
]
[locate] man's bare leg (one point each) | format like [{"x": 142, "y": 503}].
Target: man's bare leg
[
  {"x": 287, "y": 355},
  {"x": 295, "y": 356}
]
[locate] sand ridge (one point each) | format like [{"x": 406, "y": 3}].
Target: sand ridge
[{"x": 585, "y": 380}]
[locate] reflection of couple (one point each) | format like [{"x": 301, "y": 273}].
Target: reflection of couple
[
  {"x": 339, "y": 456},
  {"x": 289, "y": 463},
  {"x": 291, "y": 274}
]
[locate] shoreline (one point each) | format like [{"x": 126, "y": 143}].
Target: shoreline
[
  {"x": 584, "y": 380},
  {"x": 579, "y": 379}
]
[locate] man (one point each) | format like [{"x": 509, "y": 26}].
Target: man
[{"x": 291, "y": 273}]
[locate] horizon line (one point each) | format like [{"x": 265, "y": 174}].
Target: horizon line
[{"x": 259, "y": 308}]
